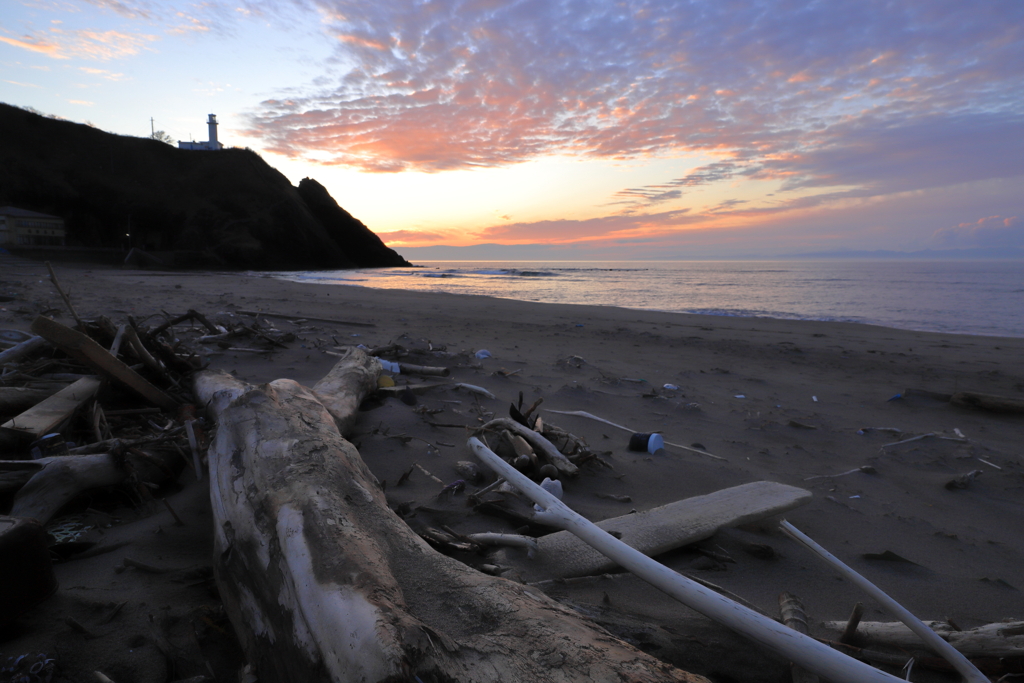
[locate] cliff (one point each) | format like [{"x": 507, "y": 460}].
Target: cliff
[{"x": 228, "y": 207}]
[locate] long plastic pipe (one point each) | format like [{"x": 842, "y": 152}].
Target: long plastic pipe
[
  {"x": 947, "y": 651},
  {"x": 798, "y": 648}
]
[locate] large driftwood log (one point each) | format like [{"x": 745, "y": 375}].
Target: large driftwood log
[{"x": 323, "y": 582}]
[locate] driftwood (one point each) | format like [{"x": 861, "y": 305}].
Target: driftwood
[
  {"x": 799, "y": 648},
  {"x": 791, "y": 609},
  {"x": 964, "y": 667},
  {"x": 61, "y": 478},
  {"x": 540, "y": 444},
  {"x": 84, "y": 349},
  {"x": 989, "y": 402},
  {"x": 323, "y": 582},
  {"x": 658, "y": 530},
  {"x": 22, "y": 350},
  {"x": 46, "y": 415},
  {"x": 1004, "y": 639}
]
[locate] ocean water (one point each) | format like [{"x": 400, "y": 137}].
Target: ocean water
[{"x": 969, "y": 297}]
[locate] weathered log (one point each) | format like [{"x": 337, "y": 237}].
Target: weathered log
[
  {"x": 64, "y": 477},
  {"x": 1004, "y": 639},
  {"x": 22, "y": 350},
  {"x": 353, "y": 377},
  {"x": 658, "y": 530},
  {"x": 989, "y": 402},
  {"x": 323, "y": 582}
]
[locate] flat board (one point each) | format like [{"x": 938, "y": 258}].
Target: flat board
[
  {"x": 655, "y": 531},
  {"x": 45, "y": 416}
]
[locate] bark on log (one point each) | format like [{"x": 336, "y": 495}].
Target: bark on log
[{"x": 323, "y": 582}]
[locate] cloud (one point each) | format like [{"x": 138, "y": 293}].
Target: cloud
[
  {"x": 452, "y": 84},
  {"x": 103, "y": 73},
  {"x": 35, "y": 44},
  {"x": 83, "y": 43},
  {"x": 23, "y": 85},
  {"x": 412, "y": 237},
  {"x": 601, "y": 229},
  {"x": 991, "y": 231},
  {"x": 655, "y": 194},
  {"x": 129, "y": 10}
]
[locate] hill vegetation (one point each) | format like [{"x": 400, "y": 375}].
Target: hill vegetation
[{"x": 227, "y": 208}]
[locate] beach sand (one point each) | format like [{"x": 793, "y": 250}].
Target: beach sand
[{"x": 782, "y": 401}]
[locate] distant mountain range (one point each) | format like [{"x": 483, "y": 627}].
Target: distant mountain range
[
  {"x": 225, "y": 208},
  {"x": 924, "y": 254},
  {"x": 543, "y": 252}
]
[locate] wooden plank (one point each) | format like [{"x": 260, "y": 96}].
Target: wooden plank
[
  {"x": 655, "y": 531},
  {"x": 44, "y": 417},
  {"x": 81, "y": 347}
]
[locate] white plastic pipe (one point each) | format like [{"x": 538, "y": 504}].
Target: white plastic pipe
[
  {"x": 798, "y": 648},
  {"x": 947, "y": 651}
]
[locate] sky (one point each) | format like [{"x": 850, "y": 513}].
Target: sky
[{"x": 583, "y": 128}]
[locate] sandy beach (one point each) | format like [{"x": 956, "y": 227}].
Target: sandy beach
[{"x": 794, "y": 402}]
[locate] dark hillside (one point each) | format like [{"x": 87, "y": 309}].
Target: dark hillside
[{"x": 229, "y": 204}]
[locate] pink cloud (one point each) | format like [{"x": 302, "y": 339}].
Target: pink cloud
[
  {"x": 991, "y": 231},
  {"x": 83, "y": 43},
  {"x": 885, "y": 98}
]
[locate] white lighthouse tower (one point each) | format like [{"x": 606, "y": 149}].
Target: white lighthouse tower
[{"x": 211, "y": 144}]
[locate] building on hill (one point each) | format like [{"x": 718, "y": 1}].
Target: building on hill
[
  {"x": 211, "y": 144},
  {"x": 21, "y": 227}
]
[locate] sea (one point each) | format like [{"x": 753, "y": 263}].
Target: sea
[{"x": 982, "y": 297}]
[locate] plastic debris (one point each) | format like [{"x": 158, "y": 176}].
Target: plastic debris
[{"x": 483, "y": 353}]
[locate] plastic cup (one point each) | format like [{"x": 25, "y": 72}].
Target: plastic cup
[{"x": 652, "y": 443}]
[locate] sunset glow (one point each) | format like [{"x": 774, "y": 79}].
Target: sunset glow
[{"x": 608, "y": 129}]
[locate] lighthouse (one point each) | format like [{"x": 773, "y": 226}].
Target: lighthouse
[
  {"x": 211, "y": 123},
  {"x": 211, "y": 144}
]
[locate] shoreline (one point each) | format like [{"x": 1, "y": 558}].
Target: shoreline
[
  {"x": 981, "y": 305},
  {"x": 780, "y": 400}
]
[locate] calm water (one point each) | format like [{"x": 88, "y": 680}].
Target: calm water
[{"x": 972, "y": 297}]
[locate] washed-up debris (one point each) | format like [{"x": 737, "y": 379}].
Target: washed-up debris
[
  {"x": 866, "y": 469},
  {"x": 797, "y": 647},
  {"x": 963, "y": 481},
  {"x": 582, "y": 413},
  {"x": 920, "y": 437},
  {"x": 955, "y": 658}
]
